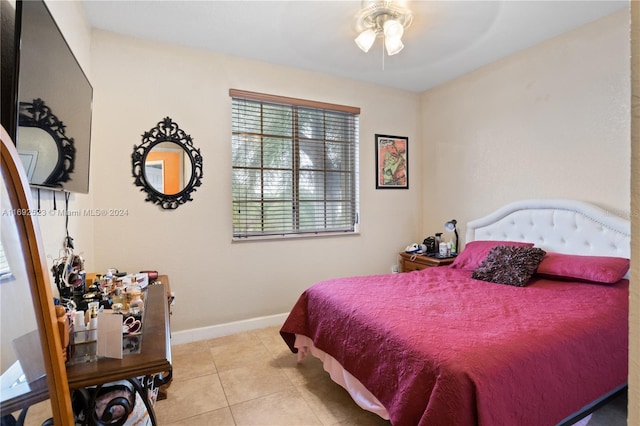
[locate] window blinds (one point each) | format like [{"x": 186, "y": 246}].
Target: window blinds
[{"x": 294, "y": 166}]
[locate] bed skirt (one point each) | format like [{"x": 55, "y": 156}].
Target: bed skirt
[{"x": 360, "y": 394}]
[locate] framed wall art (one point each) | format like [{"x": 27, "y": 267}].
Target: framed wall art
[{"x": 392, "y": 162}]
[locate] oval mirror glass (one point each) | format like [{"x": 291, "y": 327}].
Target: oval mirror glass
[
  {"x": 39, "y": 153},
  {"x": 168, "y": 168},
  {"x": 22, "y": 362}
]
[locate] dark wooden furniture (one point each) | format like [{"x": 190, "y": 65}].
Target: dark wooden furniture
[
  {"x": 155, "y": 350},
  {"x": 152, "y": 364},
  {"x": 154, "y": 358},
  {"x": 416, "y": 262}
]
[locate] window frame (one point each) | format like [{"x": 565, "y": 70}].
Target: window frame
[{"x": 353, "y": 171}]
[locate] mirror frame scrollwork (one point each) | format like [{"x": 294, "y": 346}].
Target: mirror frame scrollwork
[
  {"x": 38, "y": 114},
  {"x": 166, "y": 131}
]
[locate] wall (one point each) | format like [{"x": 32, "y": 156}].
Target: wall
[
  {"x": 634, "y": 301},
  {"x": 549, "y": 122},
  {"x": 136, "y": 84}
]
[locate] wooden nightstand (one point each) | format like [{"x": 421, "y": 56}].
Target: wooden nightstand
[{"x": 415, "y": 262}]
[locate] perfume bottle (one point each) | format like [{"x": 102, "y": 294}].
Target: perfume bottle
[
  {"x": 93, "y": 321},
  {"x": 136, "y": 304},
  {"x": 118, "y": 297}
]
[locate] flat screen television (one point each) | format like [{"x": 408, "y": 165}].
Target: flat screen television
[{"x": 54, "y": 104}]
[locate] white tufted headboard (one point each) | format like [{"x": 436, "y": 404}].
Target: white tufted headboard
[{"x": 558, "y": 225}]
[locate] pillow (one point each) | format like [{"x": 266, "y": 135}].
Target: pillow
[
  {"x": 598, "y": 269},
  {"x": 513, "y": 265},
  {"x": 476, "y": 251}
]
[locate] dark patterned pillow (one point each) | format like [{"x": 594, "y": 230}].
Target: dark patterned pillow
[{"x": 509, "y": 265}]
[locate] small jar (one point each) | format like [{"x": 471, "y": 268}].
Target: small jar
[
  {"x": 117, "y": 308},
  {"x": 136, "y": 304}
]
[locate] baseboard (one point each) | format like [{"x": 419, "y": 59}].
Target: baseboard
[{"x": 219, "y": 330}]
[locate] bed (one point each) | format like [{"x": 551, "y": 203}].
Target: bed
[{"x": 455, "y": 345}]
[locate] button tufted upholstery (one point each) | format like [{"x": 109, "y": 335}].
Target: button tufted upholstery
[{"x": 559, "y": 225}]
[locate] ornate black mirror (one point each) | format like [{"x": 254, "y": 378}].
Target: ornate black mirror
[
  {"x": 47, "y": 153},
  {"x": 167, "y": 165}
]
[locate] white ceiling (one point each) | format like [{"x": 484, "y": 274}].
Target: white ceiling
[{"x": 446, "y": 39}]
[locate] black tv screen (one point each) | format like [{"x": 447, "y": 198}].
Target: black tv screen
[{"x": 53, "y": 135}]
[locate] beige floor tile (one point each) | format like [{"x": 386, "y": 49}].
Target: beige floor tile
[
  {"x": 188, "y": 398},
  {"x": 198, "y": 346},
  {"x": 282, "y": 409},
  {"x": 270, "y": 337},
  {"x": 187, "y": 365},
  {"x": 37, "y": 413},
  {"x": 305, "y": 371},
  {"x": 364, "y": 418},
  {"x": 239, "y": 354},
  {"x": 234, "y": 339},
  {"x": 274, "y": 330},
  {"x": 253, "y": 381},
  {"x": 221, "y": 417},
  {"x": 329, "y": 401}
]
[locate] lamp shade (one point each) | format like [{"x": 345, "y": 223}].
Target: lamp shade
[
  {"x": 365, "y": 39},
  {"x": 393, "y": 45},
  {"x": 393, "y": 32},
  {"x": 393, "y": 29},
  {"x": 451, "y": 227}
]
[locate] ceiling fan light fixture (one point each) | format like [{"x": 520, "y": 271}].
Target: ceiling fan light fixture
[
  {"x": 382, "y": 18},
  {"x": 393, "y": 29},
  {"x": 393, "y": 45},
  {"x": 366, "y": 39}
]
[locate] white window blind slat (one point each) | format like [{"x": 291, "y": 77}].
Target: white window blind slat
[
  {"x": 5, "y": 270},
  {"x": 294, "y": 168}
]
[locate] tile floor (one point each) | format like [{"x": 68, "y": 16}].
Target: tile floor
[
  {"x": 253, "y": 379},
  {"x": 249, "y": 378}
]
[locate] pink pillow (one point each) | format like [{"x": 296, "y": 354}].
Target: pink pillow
[
  {"x": 476, "y": 251},
  {"x": 597, "y": 269}
]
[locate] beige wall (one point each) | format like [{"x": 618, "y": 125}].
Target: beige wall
[
  {"x": 550, "y": 121},
  {"x": 138, "y": 83},
  {"x": 634, "y": 302}
]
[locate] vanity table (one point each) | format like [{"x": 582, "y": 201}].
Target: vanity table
[
  {"x": 152, "y": 363},
  {"x": 154, "y": 357},
  {"x": 155, "y": 350}
]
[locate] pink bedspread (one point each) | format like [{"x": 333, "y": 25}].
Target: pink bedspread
[{"x": 438, "y": 348}]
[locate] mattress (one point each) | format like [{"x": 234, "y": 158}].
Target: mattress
[{"x": 436, "y": 347}]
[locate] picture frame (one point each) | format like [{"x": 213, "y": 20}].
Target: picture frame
[{"x": 392, "y": 162}]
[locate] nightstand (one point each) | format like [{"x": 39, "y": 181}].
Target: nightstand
[{"x": 415, "y": 262}]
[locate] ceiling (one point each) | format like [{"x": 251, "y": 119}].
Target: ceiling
[{"x": 446, "y": 39}]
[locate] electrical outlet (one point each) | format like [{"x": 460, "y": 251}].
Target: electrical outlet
[{"x": 394, "y": 269}]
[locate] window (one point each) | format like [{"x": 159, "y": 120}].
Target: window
[
  {"x": 5, "y": 270},
  {"x": 294, "y": 166}
]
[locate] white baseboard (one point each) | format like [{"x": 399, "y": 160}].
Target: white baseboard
[{"x": 219, "y": 330}]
